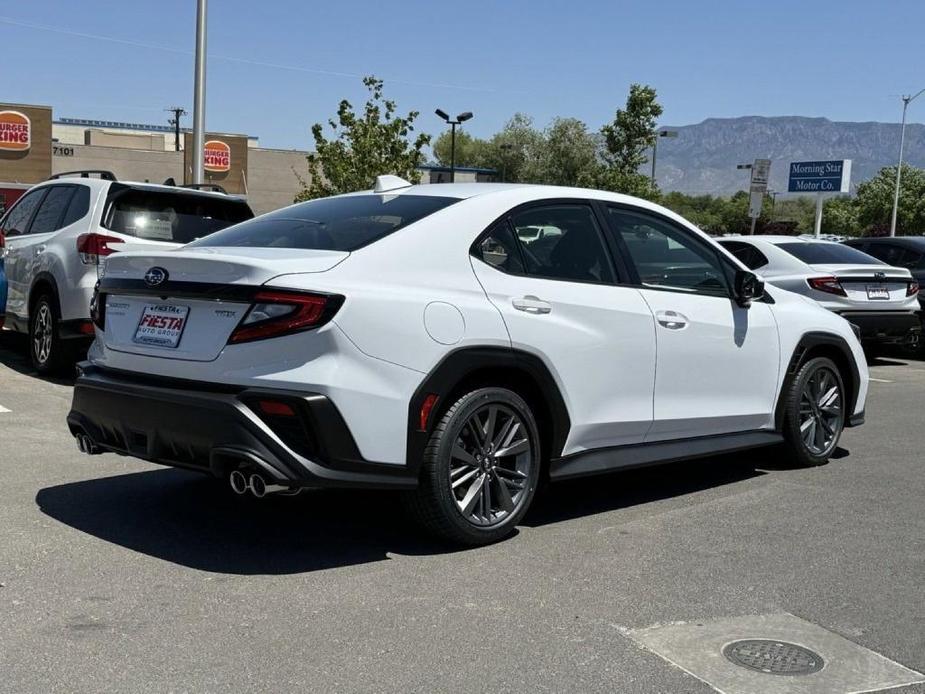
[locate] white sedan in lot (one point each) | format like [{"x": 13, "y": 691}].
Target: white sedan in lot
[
  {"x": 427, "y": 338},
  {"x": 882, "y": 301}
]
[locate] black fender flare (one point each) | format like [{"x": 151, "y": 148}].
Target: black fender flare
[
  {"x": 810, "y": 342},
  {"x": 455, "y": 368},
  {"x": 44, "y": 278}
]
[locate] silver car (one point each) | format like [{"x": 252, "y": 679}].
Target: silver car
[{"x": 879, "y": 299}]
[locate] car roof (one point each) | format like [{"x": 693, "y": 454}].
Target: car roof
[{"x": 98, "y": 183}]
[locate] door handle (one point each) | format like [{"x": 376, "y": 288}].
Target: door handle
[
  {"x": 531, "y": 304},
  {"x": 671, "y": 320}
]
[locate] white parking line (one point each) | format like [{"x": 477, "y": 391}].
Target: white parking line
[
  {"x": 3, "y": 409},
  {"x": 879, "y": 380}
]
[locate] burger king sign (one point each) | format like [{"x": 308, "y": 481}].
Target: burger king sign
[
  {"x": 15, "y": 131},
  {"x": 216, "y": 156}
]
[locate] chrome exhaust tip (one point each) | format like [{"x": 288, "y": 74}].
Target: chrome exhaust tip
[
  {"x": 238, "y": 482},
  {"x": 258, "y": 486},
  {"x": 85, "y": 444}
]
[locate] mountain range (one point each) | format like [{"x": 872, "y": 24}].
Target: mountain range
[{"x": 703, "y": 157}]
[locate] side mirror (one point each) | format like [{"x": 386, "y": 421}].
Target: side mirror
[{"x": 747, "y": 288}]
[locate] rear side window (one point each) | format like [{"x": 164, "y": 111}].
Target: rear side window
[
  {"x": 331, "y": 224},
  {"x": 51, "y": 212},
  {"x": 562, "y": 242},
  {"x": 169, "y": 216},
  {"x": 750, "y": 256},
  {"x": 499, "y": 249},
  {"x": 824, "y": 253},
  {"x": 78, "y": 207}
]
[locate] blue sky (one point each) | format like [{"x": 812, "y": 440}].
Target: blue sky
[{"x": 277, "y": 66}]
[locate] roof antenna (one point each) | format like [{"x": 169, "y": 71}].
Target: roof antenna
[{"x": 386, "y": 183}]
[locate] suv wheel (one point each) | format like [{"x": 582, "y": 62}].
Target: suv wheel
[
  {"x": 480, "y": 468},
  {"x": 815, "y": 411},
  {"x": 45, "y": 342}
]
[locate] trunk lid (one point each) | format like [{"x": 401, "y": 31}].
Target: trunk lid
[
  {"x": 870, "y": 285},
  {"x": 206, "y": 293}
]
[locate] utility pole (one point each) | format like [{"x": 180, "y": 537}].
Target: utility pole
[
  {"x": 899, "y": 169},
  {"x": 199, "y": 95},
  {"x": 177, "y": 112},
  {"x": 660, "y": 133}
]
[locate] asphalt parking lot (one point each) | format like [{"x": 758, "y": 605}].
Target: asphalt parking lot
[{"x": 119, "y": 576}]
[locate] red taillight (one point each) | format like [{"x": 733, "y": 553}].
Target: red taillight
[
  {"x": 276, "y": 408},
  {"x": 2, "y": 244},
  {"x": 426, "y": 408},
  {"x": 913, "y": 288},
  {"x": 269, "y": 317},
  {"x": 830, "y": 285},
  {"x": 92, "y": 246}
]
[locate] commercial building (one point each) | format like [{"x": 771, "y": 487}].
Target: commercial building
[{"x": 34, "y": 146}]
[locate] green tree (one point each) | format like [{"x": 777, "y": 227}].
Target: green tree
[
  {"x": 516, "y": 150},
  {"x": 875, "y": 201},
  {"x": 627, "y": 141},
  {"x": 568, "y": 156},
  {"x": 840, "y": 216},
  {"x": 362, "y": 147},
  {"x": 470, "y": 151}
]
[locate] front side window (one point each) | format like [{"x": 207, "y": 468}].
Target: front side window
[
  {"x": 331, "y": 224},
  {"x": 666, "y": 257},
  {"x": 562, "y": 242},
  {"x": 17, "y": 221},
  {"x": 749, "y": 256},
  {"x": 171, "y": 216},
  {"x": 51, "y": 211}
]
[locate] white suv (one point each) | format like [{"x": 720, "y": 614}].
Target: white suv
[
  {"x": 57, "y": 233},
  {"x": 411, "y": 338}
]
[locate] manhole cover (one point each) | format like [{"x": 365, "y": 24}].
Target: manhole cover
[{"x": 773, "y": 657}]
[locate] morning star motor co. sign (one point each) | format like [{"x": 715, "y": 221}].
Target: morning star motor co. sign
[{"x": 820, "y": 176}]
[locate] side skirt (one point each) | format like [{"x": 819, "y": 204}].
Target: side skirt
[{"x": 602, "y": 460}]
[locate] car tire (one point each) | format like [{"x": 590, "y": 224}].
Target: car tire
[
  {"x": 815, "y": 412},
  {"x": 467, "y": 493},
  {"x": 48, "y": 351}
]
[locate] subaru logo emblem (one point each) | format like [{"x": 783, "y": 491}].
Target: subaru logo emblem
[{"x": 155, "y": 277}]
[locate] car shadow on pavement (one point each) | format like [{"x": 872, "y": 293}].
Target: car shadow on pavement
[
  {"x": 196, "y": 521},
  {"x": 14, "y": 353},
  {"x": 590, "y": 495}
]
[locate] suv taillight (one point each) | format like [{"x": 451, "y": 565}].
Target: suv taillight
[
  {"x": 830, "y": 285},
  {"x": 278, "y": 312},
  {"x": 911, "y": 290},
  {"x": 91, "y": 246}
]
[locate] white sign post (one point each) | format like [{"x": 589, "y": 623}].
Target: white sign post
[{"x": 761, "y": 171}]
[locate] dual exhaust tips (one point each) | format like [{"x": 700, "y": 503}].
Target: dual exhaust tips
[{"x": 254, "y": 483}]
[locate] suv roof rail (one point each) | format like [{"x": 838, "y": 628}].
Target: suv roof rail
[
  {"x": 214, "y": 187},
  {"x": 85, "y": 173}
]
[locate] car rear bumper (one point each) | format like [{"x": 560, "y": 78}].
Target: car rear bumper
[
  {"x": 215, "y": 429},
  {"x": 885, "y": 327}
]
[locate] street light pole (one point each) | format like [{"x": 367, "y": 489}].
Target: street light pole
[
  {"x": 460, "y": 119},
  {"x": 660, "y": 133},
  {"x": 902, "y": 141},
  {"x": 505, "y": 148},
  {"x": 199, "y": 95}
]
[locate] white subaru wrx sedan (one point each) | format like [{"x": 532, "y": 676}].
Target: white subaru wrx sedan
[{"x": 429, "y": 338}]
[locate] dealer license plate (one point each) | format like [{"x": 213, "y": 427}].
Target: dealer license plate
[
  {"x": 877, "y": 291},
  {"x": 161, "y": 325}
]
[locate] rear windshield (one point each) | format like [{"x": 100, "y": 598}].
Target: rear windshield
[
  {"x": 169, "y": 216},
  {"x": 828, "y": 253},
  {"x": 331, "y": 224}
]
